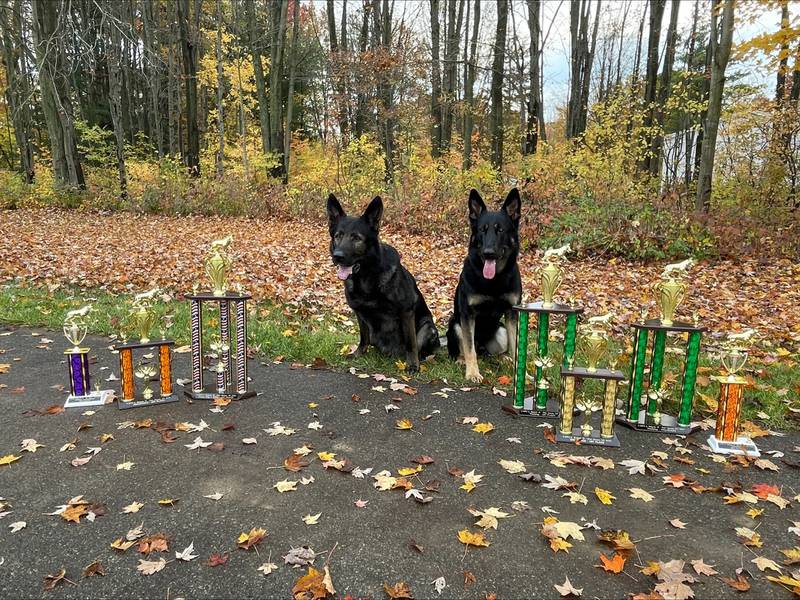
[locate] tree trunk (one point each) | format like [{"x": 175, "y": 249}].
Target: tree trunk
[
  {"x": 290, "y": 96},
  {"x": 278, "y": 35},
  {"x": 150, "y": 22},
  {"x": 664, "y": 89},
  {"x": 582, "y": 49},
  {"x": 651, "y": 75},
  {"x": 54, "y": 86},
  {"x": 189, "y": 53},
  {"x": 17, "y": 88},
  {"x": 469, "y": 88},
  {"x": 720, "y": 51},
  {"x": 382, "y": 31},
  {"x": 686, "y": 122},
  {"x": 496, "y": 90},
  {"x": 254, "y": 41},
  {"x": 451, "y": 63},
  {"x": 115, "y": 66},
  {"x": 436, "y": 83},
  {"x": 783, "y": 63},
  {"x": 361, "y": 97},
  {"x": 220, "y": 85}
]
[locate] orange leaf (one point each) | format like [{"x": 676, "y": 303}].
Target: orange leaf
[{"x": 613, "y": 565}]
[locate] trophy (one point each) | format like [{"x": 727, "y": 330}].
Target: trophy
[
  {"x": 540, "y": 404},
  {"x": 230, "y": 371},
  {"x": 644, "y": 405},
  {"x": 80, "y": 394},
  {"x": 727, "y": 438},
  {"x": 142, "y": 319},
  {"x": 595, "y": 347}
]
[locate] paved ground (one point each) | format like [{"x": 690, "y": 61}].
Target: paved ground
[{"x": 369, "y": 545}]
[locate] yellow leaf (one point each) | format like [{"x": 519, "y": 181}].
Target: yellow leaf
[
  {"x": 483, "y": 428},
  {"x": 326, "y": 456},
  {"x": 401, "y": 366},
  {"x": 468, "y": 486},
  {"x": 406, "y": 471},
  {"x": 168, "y": 501},
  {"x": 8, "y": 459},
  {"x": 120, "y": 544},
  {"x": 312, "y": 405},
  {"x": 558, "y": 543},
  {"x": 604, "y": 495},
  {"x": 472, "y": 539},
  {"x": 754, "y": 512},
  {"x": 404, "y": 424}
]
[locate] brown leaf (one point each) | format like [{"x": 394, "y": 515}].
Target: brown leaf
[
  {"x": 95, "y": 568},
  {"x": 398, "y": 590},
  {"x": 469, "y": 579},
  {"x": 422, "y": 460},
  {"x": 51, "y": 581},
  {"x": 295, "y": 462},
  {"x": 217, "y": 559},
  {"x": 740, "y": 583}
]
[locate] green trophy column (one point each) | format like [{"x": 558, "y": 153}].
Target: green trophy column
[
  {"x": 569, "y": 339},
  {"x": 689, "y": 379},
  {"x": 639, "y": 358},
  {"x": 542, "y": 334},
  {"x": 656, "y": 366},
  {"x": 521, "y": 361}
]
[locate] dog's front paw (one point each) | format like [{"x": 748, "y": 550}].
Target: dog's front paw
[
  {"x": 360, "y": 351},
  {"x": 412, "y": 366},
  {"x": 474, "y": 375}
]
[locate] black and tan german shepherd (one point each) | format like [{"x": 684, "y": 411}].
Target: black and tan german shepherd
[
  {"x": 489, "y": 285},
  {"x": 392, "y": 314}
]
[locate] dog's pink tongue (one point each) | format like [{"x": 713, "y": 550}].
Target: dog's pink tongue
[
  {"x": 343, "y": 272},
  {"x": 489, "y": 269}
]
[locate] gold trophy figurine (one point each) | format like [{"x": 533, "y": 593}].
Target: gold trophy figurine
[
  {"x": 217, "y": 263},
  {"x": 671, "y": 290},
  {"x": 595, "y": 346},
  {"x": 551, "y": 273},
  {"x": 75, "y": 326},
  {"x": 142, "y": 314}
]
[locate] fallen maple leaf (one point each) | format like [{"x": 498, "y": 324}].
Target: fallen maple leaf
[
  {"x": 678, "y": 524},
  {"x": 614, "y": 564},
  {"x": 404, "y": 424},
  {"x": 764, "y": 563},
  {"x": 604, "y": 495},
  {"x": 314, "y": 585},
  {"x": 216, "y": 559},
  {"x": 51, "y": 581},
  {"x": 286, "y": 486},
  {"x": 148, "y": 567},
  {"x": 567, "y": 589},
  {"x": 93, "y": 569},
  {"x": 477, "y": 539},
  {"x": 133, "y": 507},
  {"x": 701, "y": 568},
  {"x": 483, "y": 428},
  {"x": 399, "y": 590},
  {"x": 187, "y": 553},
  {"x": 640, "y": 494},
  {"x": 254, "y": 537},
  {"x": 312, "y": 519},
  {"x": 8, "y": 459},
  {"x": 740, "y": 583}
]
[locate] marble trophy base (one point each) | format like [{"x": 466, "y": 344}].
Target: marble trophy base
[
  {"x": 95, "y": 398},
  {"x": 593, "y": 439},
  {"x": 743, "y": 446}
]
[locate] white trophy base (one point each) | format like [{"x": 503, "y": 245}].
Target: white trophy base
[
  {"x": 743, "y": 446},
  {"x": 94, "y": 398}
]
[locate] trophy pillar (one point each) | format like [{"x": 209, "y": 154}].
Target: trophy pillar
[
  {"x": 77, "y": 358},
  {"x": 146, "y": 371},
  {"x": 598, "y": 436},
  {"x": 568, "y": 404},
  {"x": 639, "y": 360},
  {"x": 539, "y": 403},
  {"x": 609, "y": 408},
  {"x": 223, "y": 375},
  {"x": 727, "y": 438},
  {"x": 165, "y": 364},
  {"x": 542, "y": 336},
  {"x": 689, "y": 378},
  {"x": 126, "y": 373},
  {"x": 657, "y": 364},
  {"x": 520, "y": 360},
  {"x": 78, "y": 367},
  {"x": 241, "y": 346},
  {"x": 197, "y": 345}
]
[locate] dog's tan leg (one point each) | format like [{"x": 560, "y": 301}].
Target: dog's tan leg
[
  {"x": 511, "y": 330},
  {"x": 467, "y": 338}
]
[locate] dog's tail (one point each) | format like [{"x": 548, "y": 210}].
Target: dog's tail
[{"x": 453, "y": 345}]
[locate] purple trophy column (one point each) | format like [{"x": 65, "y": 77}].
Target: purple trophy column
[
  {"x": 197, "y": 346},
  {"x": 79, "y": 384},
  {"x": 241, "y": 347}
]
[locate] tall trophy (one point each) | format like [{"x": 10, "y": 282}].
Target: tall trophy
[
  {"x": 595, "y": 346},
  {"x": 143, "y": 318},
  {"x": 540, "y": 403},
  {"x": 727, "y": 438},
  {"x": 229, "y": 348},
  {"x": 80, "y": 392},
  {"x": 644, "y": 404}
]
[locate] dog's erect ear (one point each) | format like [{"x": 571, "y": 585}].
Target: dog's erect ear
[
  {"x": 476, "y": 205},
  {"x": 513, "y": 204},
  {"x": 335, "y": 212},
  {"x": 374, "y": 213}
]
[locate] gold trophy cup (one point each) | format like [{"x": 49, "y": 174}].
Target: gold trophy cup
[
  {"x": 670, "y": 291},
  {"x": 595, "y": 346},
  {"x": 552, "y": 274}
]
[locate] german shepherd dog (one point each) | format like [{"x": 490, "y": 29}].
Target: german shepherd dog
[
  {"x": 391, "y": 312},
  {"x": 489, "y": 285}
]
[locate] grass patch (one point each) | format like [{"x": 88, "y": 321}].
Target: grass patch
[{"x": 298, "y": 334}]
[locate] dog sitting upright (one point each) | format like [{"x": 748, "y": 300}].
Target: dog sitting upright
[
  {"x": 489, "y": 285},
  {"x": 392, "y": 314}
]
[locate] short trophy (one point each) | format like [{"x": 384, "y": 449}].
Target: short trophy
[
  {"x": 595, "y": 346},
  {"x": 539, "y": 403},
  {"x": 143, "y": 318},
  {"x": 230, "y": 351},
  {"x": 80, "y": 392},
  {"x": 727, "y": 438},
  {"x": 644, "y": 406}
]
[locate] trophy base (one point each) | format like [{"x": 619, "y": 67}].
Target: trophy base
[
  {"x": 668, "y": 424},
  {"x": 551, "y": 411},
  {"x": 211, "y": 395},
  {"x": 593, "y": 439},
  {"x": 743, "y": 446},
  {"x": 95, "y": 398},
  {"x": 138, "y": 403}
]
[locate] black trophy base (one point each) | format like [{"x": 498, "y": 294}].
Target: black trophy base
[
  {"x": 551, "y": 411},
  {"x": 141, "y": 402},
  {"x": 593, "y": 439},
  {"x": 667, "y": 424},
  {"x": 211, "y": 395}
]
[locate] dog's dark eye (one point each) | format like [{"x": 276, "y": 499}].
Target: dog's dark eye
[
  {"x": 356, "y": 238},
  {"x": 485, "y": 228},
  {"x": 337, "y": 235},
  {"x": 498, "y": 229}
]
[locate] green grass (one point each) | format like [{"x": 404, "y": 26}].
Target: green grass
[{"x": 302, "y": 335}]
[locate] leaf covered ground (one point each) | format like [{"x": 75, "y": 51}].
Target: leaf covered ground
[
  {"x": 360, "y": 485},
  {"x": 287, "y": 260}
]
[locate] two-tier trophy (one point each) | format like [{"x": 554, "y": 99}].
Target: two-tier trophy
[
  {"x": 594, "y": 345},
  {"x": 727, "y": 438},
  {"x": 229, "y": 348},
  {"x": 143, "y": 318},
  {"x": 540, "y": 403},
  {"x": 644, "y": 404},
  {"x": 80, "y": 392}
]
